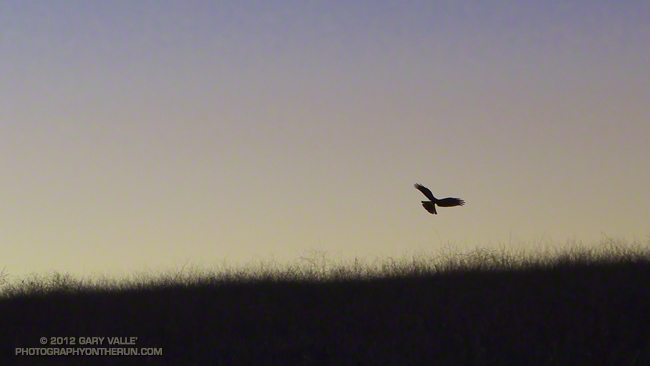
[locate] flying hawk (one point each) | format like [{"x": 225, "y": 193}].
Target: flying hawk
[{"x": 431, "y": 204}]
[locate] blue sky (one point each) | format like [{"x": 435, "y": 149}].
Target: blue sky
[{"x": 140, "y": 135}]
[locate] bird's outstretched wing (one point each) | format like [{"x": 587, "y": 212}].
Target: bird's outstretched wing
[
  {"x": 426, "y": 192},
  {"x": 450, "y": 202},
  {"x": 429, "y": 206}
]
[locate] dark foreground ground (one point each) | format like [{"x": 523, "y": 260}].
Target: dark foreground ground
[{"x": 572, "y": 313}]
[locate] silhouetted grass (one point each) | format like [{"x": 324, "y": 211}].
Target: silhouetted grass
[{"x": 569, "y": 307}]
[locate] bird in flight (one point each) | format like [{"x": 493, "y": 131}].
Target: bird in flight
[{"x": 431, "y": 204}]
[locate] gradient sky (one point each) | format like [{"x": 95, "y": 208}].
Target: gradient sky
[{"x": 146, "y": 134}]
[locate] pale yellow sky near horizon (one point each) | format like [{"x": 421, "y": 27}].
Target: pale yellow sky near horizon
[{"x": 147, "y": 135}]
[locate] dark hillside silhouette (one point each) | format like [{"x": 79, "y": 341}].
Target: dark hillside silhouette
[{"x": 575, "y": 311}]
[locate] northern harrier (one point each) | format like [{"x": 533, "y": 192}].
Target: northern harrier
[{"x": 431, "y": 205}]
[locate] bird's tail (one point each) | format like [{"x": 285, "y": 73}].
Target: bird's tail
[{"x": 429, "y": 206}]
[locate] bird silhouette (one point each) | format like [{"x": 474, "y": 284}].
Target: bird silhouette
[{"x": 431, "y": 204}]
